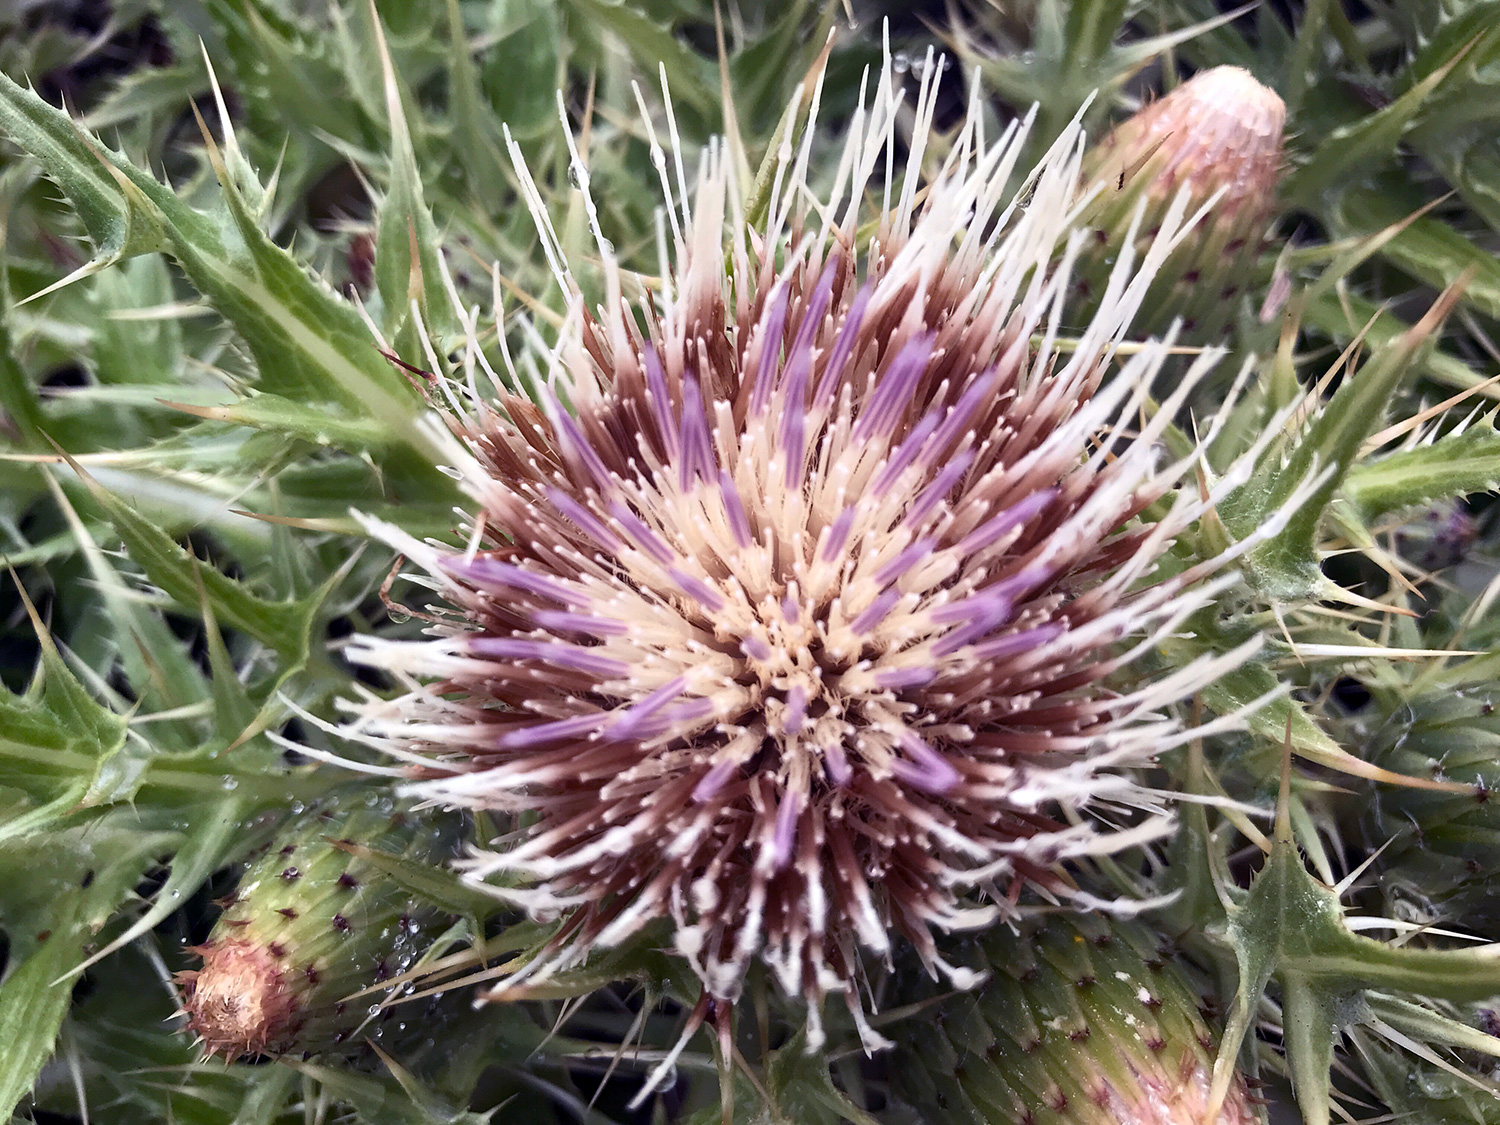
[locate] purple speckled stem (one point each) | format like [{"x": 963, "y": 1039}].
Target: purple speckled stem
[
  {"x": 697, "y": 443},
  {"x": 785, "y": 837},
  {"x": 578, "y": 445},
  {"x": 710, "y": 783},
  {"x": 661, "y": 403},
  {"x": 941, "y": 485},
  {"x": 734, "y": 509},
  {"x": 876, "y": 612},
  {"x": 838, "y": 535},
  {"x": 563, "y": 621},
  {"x": 796, "y": 709},
  {"x": 1016, "y": 642},
  {"x": 904, "y": 455},
  {"x": 697, "y": 589},
  {"x": 641, "y": 535},
  {"x": 628, "y": 721},
  {"x": 586, "y": 521}
]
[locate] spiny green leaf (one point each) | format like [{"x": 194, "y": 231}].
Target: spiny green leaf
[
  {"x": 1286, "y": 564},
  {"x": 479, "y": 147},
  {"x": 18, "y": 400},
  {"x": 217, "y": 837},
  {"x": 1429, "y": 249},
  {"x": 321, "y": 424},
  {"x": 155, "y": 660},
  {"x": 128, "y": 349},
  {"x": 1307, "y": 1022},
  {"x": 1279, "y": 720},
  {"x": 1291, "y": 928},
  {"x": 1370, "y": 138},
  {"x": 71, "y": 883},
  {"x": 1472, "y": 169},
  {"x": 306, "y": 341},
  {"x": 234, "y": 710},
  {"x": 649, "y": 40},
  {"x": 283, "y": 626},
  {"x": 803, "y": 1089},
  {"x": 1454, "y": 465},
  {"x": 1468, "y": 39},
  {"x": 113, "y": 211},
  {"x": 1429, "y": 1026},
  {"x": 56, "y": 735},
  {"x": 1092, "y": 27},
  {"x": 1421, "y": 1092},
  {"x": 389, "y": 1101},
  {"x": 406, "y": 241},
  {"x": 1306, "y": 49},
  {"x": 32, "y": 1004},
  {"x": 521, "y": 71},
  {"x": 295, "y": 73},
  {"x": 149, "y": 92},
  {"x": 1344, "y": 315}
]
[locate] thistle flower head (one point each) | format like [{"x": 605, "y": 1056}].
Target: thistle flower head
[{"x": 808, "y": 611}]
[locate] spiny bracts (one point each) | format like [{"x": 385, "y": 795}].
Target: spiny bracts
[
  {"x": 1082, "y": 1020},
  {"x": 1442, "y": 845},
  {"x": 309, "y": 925}
]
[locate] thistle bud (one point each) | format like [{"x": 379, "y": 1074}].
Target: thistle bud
[
  {"x": 310, "y": 925},
  {"x": 1444, "y": 846},
  {"x": 1217, "y": 133},
  {"x": 1082, "y": 1020}
]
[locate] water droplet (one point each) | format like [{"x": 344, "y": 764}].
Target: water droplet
[{"x": 228, "y": 782}]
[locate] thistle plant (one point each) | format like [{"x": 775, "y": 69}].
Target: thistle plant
[
  {"x": 820, "y": 599},
  {"x": 874, "y": 596}
]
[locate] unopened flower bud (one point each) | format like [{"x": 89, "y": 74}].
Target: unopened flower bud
[
  {"x": 1217, "y": 137},
  {"x": 1083, "y": 1020},
  {"x": 309, "y": 926}
]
